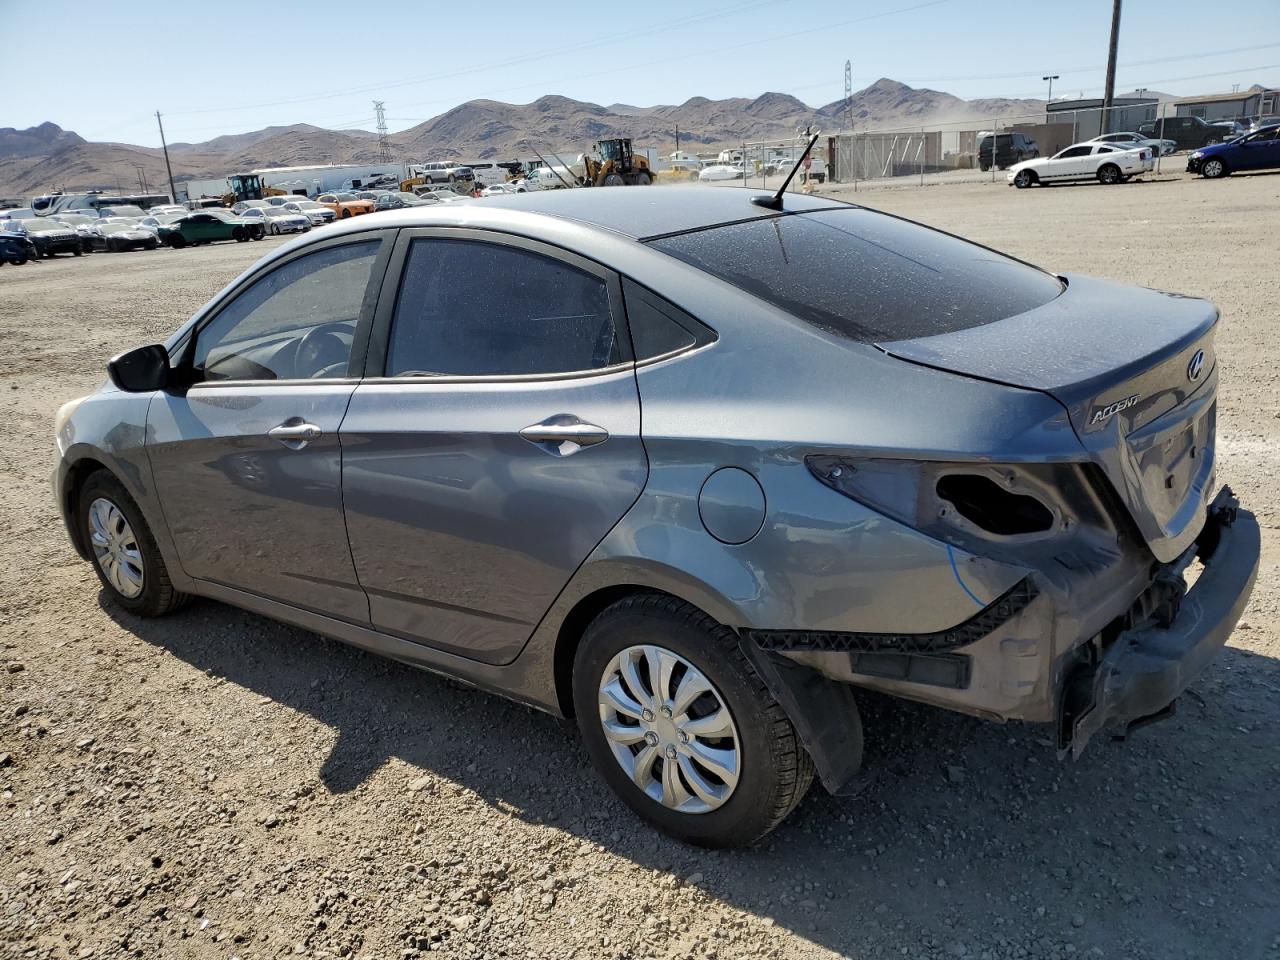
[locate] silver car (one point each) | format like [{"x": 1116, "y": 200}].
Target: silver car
[{"x": 691, "y": 469}]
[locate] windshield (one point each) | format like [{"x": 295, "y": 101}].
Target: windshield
[
  {"x": 344, "y": 197},
  {"x": 866, "y": 276}
]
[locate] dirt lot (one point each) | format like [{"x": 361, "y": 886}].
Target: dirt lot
[{"x": 217, "y": 785}]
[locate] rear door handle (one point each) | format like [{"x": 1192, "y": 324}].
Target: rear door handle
[
  {"x": 295, "y": 434},
  {"x": 564, "y": 434}
]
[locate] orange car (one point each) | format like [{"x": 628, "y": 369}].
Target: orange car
[{"x": 345, "y": 204}]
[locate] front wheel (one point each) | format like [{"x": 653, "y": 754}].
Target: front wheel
[
  {"x": 239, "y": 234},
  {"x": 643, "y": 179},
  {"x": 177, "y": 241},
  {"x": 1213, "y": 168},
  {"x": 612, "y": 180},
  {"x": 1108, "y": 174},
  {"x": 125, "y": 556},
  {"x": 1023, "y": 179},
  {"x": 347, "y": 213},
  {"x": 681, "y": 727}
]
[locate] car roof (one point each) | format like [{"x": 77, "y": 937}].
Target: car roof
[{"x": 643, "y": 212}]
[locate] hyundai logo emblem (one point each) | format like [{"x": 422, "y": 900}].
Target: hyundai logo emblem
[{"x": 1196, "y": 366}]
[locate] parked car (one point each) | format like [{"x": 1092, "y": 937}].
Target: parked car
[
  {"x": 1010, "y": 148},
  {"x": 208, "y": 226},
  {"x": 120, "y": 234},
  {"x": 1083, "y": 161},
  {"x": 16, "y": 248},
  {"x": 82, "y": 224},
  {"x": 285, "y": 199},
  {"x": 721, "y": 171},
  {"x": 487, "y": 173},
  {"x": 240, "y": 206},
  {"x": 345, "y": 205},
  {"x": 49, "y": 235},
  {"x": 1255, "y": 151},
  {"x": 278, "y": 220},
  {"x": 1258, "y": 123},
  {"x": 1136, "y": 141},
  {"x": 1189, "y": 133},
  {"x": 498, "y": 189},
  {"x": 122, "y": 210},
  {"x": 400, "y": 199},
  {"x": 510, "y": 476},
  {"x": 165, "y": 208},
  {"x": 317, "y": 213},
  {"x": 444, "y": 171}
]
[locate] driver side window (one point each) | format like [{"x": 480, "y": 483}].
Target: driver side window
[{"x": 296, "y": 323}]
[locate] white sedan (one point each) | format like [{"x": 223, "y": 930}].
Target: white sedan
[
  {"x": 721, "y": 171},
  {"x": 1083, "y": 161},
  {"x": 277, "y": 220},
  {"x": 1136, "y": 141}
]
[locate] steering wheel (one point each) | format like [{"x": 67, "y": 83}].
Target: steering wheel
[{"x": 321, "y": 350}]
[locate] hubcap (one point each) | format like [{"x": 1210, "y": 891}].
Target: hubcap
[
  {"x": 1213, "y": 168},
  {"x": 669, "y": 729},
  {"x": 115, "y": 547}
]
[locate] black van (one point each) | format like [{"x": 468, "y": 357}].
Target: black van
[{"x": 1011, "y": 148}]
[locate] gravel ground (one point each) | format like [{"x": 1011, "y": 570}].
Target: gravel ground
[{"x": 217, "y": 785}]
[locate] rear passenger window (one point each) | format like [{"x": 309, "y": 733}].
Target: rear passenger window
[{"x": 473, "y": 308}]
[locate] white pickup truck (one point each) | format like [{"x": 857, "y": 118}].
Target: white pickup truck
[{"x": 1104, "y": 162}]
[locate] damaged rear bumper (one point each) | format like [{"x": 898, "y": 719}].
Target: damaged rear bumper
[{"x": 1141, "y": 674}]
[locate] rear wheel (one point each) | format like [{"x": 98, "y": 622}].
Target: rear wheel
[
  {"x": 1108, "y": 174},
  {"x": 125, "y": 555},
  {"x": 1213, "y": 168},
  {"x": 984, "y": 167},
  {"x": 275, "y": 230},
  {"x": 79, "y": 252},
  {"x": 681, "y": 727},
  {"x": 239, "y": 234},
  {"x": 643, "y": 179},
  {"x": 347, "y": 213}
]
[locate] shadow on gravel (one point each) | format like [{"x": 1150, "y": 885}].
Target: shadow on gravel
[{"x": 975, "y": 833}]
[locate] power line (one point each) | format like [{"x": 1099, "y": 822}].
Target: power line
[{"x": 511, "y": 61}]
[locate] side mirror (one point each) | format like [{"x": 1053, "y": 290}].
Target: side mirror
[{"x": 141, "y": 369}]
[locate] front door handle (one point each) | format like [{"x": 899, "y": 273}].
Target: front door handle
[
  {"x": 564, "y": 434},
  {"x": 295, "y": 434}
]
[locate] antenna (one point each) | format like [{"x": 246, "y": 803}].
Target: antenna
[
  {"x": 384, "y": 145},
  {"x": 775, "y": 202},
  {"x": 848, "y": 94}
]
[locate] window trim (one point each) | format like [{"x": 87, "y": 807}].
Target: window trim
[
  {"x": 184, "y": 349},
  {"x": 380, "y": 337}
]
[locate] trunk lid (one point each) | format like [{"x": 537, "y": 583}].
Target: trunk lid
[{"x": 1135, "y": 369}]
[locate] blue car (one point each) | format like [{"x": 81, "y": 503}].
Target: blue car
[{"x": 1259, "y": 150}]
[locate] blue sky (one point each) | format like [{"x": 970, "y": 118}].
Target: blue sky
[{"x": 312, "y": 62}]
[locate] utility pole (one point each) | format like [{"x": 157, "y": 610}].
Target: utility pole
[
  {"x": 173, "y": 193},
  {"x": 1050, "y": 100},
  {"x": 1110, "y": 93},
  {"x": 677, "y": 139},
  {"x": 384, "y": 145},
  {"x": 848, "y": 94}
]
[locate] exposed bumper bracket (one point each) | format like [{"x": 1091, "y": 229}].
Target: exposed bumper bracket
[{"x": 1144, "y": 671}]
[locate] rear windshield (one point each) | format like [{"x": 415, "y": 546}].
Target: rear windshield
[{"x": 866, "y": 276}]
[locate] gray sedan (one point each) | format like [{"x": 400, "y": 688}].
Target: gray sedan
[{"x": 691, "y": 467}]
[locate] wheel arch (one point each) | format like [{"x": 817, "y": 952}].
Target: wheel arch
[
  {"x": 574, "y": 616},
  {"x": 77, "y": 474}
]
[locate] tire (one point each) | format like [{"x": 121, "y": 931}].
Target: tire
[
  {"x": 429, "y": 181},
  {"x": 152, "y": 244},
  {"x": 177, "y": 241},
  {"x": 643, "y": 179},
  {"x": 275, "y": 230},
  {"x": 774, "y": 771},
  {"x": 1109, "y": 174},
  {"x": 155, "y": 594},
  {"x": 346, "y": 214},
  {"x": 239, "y": 234},
  {"x": 1025, "y": 178},
  {"x": 1213, "y": 168},
  {"x": 612, "y": 180},
  {"x": 77, "y": 252},
  {"x": 984, "y": 167},
  {"x": 256, "y": 232}
]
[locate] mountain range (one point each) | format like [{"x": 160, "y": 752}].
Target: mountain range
[{"x": 46, "y": 157}]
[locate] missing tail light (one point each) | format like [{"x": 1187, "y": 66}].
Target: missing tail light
[{"x": 992, "y": 507}]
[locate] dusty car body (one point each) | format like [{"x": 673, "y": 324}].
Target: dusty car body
[{"x": 787, "y": 454}]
